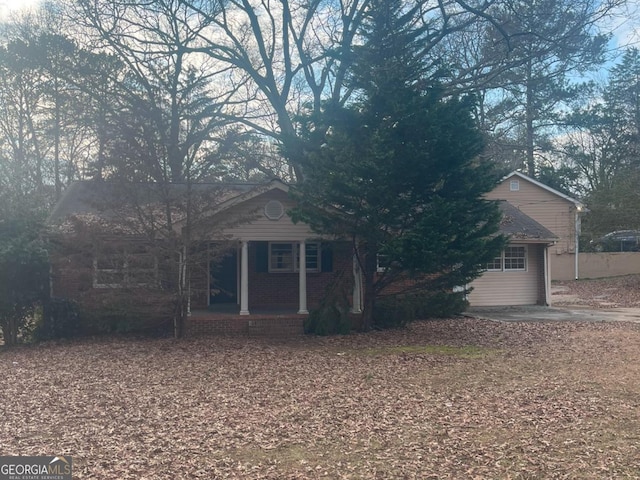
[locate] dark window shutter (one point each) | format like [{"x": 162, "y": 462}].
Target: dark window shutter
[
  {"x": 327, "y": 258},
  {"x": 262, "y": 257}
]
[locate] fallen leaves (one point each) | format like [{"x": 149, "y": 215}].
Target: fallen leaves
[
  {"x": 459, "y": 398},
  {"x": 612, "y": 292}
]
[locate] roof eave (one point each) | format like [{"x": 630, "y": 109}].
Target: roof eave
[{"x": 547, "y": 241}]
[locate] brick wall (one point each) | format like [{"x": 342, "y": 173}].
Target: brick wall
[
  {"x": 71, "y": 278},
  {"x": 250, "y": 325}
]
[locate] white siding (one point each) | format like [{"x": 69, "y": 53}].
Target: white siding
[
  {"x": 509, "y": 288},
  {"x": 259, "y": 227}
]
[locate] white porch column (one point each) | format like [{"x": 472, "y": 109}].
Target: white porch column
[
  {"x": 302, "y": 279},
  {"x": 357, "y": 288},
  {"x": 244, "y": 278}
]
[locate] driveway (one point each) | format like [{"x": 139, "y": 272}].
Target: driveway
[
  {"x": 601, "y": 300},
  {"x": 554, "y": 314}
]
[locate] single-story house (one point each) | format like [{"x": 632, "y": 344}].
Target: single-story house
[
  {"x": 557, "y": 212},
  {"x": 250, "y": 256}
]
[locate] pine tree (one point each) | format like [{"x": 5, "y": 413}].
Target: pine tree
[
  {"x": 397, "y": 170},
  {"x": 604, "y": 148}
]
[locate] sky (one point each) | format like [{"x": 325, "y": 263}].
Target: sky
[
  {"x": 625, "y": 25},
  {"x": 8, "y": 6}
]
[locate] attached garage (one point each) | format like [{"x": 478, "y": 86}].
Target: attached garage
[
  {"x": 509, "y": 284},
  {"x": 520, "y": 275}
]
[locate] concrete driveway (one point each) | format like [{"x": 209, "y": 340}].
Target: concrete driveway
[
  {"x": 593, "y": 302},
  {"x": 555, "y": 314}
]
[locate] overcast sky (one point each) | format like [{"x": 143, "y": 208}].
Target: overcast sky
[{"x": 7, "y": 6}]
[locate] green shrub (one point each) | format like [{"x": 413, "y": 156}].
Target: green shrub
[
  {"x": 65, "y": 318},
  {"x": 399, "y": 310},
  {"x": 125, "y": 318},
  {"x": 24, "y": 276},
  {"x": 328, "y": 320},
  {"x": 440, "y": 304},
  {"x": 60, "y": 319},
  {"x": 393, "y": 312},
  {"x": 332, "y": 315}
]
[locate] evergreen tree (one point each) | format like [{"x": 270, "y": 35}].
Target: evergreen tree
[{"x": 397, "y": 170}]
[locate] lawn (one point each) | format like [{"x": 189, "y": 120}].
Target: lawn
[{"x": 459, "y": 398}]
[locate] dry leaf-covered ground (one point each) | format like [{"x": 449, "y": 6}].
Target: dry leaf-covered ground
[
  {"x": 459, "y": 398},
  {"x": 613, "y": 292}
]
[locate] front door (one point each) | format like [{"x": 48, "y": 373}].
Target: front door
[{"x": 223, "y": 284}]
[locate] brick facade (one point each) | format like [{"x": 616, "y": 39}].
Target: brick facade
[
  {"x": 277, "y": 326},
  {"x": 72, "y": 278},
  {"x": 248, "y": 325}
]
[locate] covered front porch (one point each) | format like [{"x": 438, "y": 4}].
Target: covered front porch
[
  {"x": 283, "y": 277},
  {"x": 270, "y": 266}
]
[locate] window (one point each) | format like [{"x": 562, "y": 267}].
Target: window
[
  {"x": 515, "y": 258},
  {"x": 282, "y": 255},
  {"x": 514, "y": 185},
  {"x": 495, "y": 265},
  {"x": 382, "y": 262},
  {"x": 312, "y": 256},
  {"x": 124, "y": 266},
  {"x": 511, "y": 259}
]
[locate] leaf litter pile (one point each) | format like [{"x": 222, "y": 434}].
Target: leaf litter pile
[
  {"x": 459, "y": 398},
  {"x": 604, "y": 293}
]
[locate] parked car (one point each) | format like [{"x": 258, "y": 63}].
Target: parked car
[{"x": 618, "y": 241}]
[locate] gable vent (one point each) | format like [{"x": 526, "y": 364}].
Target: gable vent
[{"x": 273, "y": 210}]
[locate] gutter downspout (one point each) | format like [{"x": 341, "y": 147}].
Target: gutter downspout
[
  {"x": 577, "y": 239},
  {"x": 547, "y": 276}
]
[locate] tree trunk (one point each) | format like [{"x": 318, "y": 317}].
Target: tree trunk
[
  {"x": 56, "y": 141},
  {"x": 10, "y": 331},
  {"x": 529, "y": 120}
]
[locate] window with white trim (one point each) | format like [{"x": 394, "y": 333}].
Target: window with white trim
[
  {"x": 514, "y": 185},
  {"x": 124, "y": 266},
  {"x": 285, "y": 257},
  {"x": 312, "y": 257},
  {"x": 495, "y": 265},
  {"x": 382, "y": 262},
  {"x": 513, "y": 258}
]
